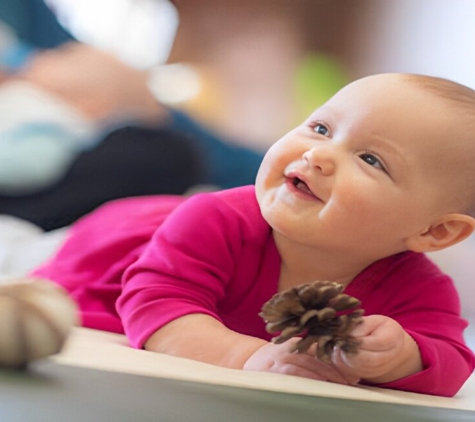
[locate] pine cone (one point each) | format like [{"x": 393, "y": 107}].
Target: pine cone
[{"x": 317, "y": 312}]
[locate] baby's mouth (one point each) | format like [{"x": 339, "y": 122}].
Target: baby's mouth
[{"x": 301, "y": 185}]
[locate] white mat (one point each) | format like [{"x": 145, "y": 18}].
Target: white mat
[{"x": 110, "y": 352}]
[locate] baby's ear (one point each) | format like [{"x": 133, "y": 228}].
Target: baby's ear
[{"x": 447, "y": 231}]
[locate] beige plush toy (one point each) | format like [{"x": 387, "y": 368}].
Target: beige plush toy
[{"x": 36, "y": 317}]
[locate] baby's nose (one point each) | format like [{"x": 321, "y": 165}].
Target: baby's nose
[{"x": 322, "y": 158}]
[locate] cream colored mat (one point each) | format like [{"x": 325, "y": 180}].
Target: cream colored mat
[{"x": 110, "y": 352}]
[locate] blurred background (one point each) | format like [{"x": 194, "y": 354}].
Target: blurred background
[
  {"x": 243, "y": 72},
  {"x": 282, "y": 56}
]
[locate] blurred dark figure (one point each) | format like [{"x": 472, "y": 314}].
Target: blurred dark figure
[{"x": 130, "y": 161}]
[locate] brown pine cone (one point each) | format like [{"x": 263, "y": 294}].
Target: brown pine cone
[{"x": 319, "y": 313}]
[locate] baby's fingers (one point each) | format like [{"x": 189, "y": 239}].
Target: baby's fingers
[
  {"x": 368, "y": 325},
  {"x": 308, "y": 366},
  {"x": 346, "y": 369},
  {"x": 299, "y": 371},
  {"x": 378, "y": 334}
]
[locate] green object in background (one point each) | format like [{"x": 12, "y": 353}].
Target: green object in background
[{"x": 318, "y": 78}]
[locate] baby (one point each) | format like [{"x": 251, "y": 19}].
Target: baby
[{"x": 374, "y": 178}]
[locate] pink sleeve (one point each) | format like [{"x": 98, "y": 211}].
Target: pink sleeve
[
  {"x": 184, "y": 269},
  {"x": 446, "y": 368},
  {"x": 89, "y": 265},
  {"x": 432, "y": 318}
]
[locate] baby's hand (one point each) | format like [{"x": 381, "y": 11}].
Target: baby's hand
[
  {"x": 279, "y": 358},
  {"x": 386, "y": 352}
]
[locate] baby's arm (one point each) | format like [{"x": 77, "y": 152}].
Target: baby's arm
[{"x": 203, "y": 338}]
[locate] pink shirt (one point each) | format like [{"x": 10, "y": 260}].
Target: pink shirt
[{"x": 134, "y": 265}]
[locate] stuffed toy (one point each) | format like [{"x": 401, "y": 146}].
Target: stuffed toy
[{"x": 36, "y": 317}]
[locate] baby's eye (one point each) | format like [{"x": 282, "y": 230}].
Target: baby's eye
[
  {"x": 372, "y": 160},
  {"x": 321, "y": 129}
]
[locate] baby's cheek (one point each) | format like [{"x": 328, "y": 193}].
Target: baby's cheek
[
  {"x": 364, "y": 208},
  {"x": 353, "y": 207}
]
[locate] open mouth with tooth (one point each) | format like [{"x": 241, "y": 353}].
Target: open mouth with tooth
[{"x": 300, "y": 185}]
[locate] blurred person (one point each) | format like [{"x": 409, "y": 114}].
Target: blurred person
[
  {"x": 60, "y": 103},
  {"x": 60, "y": 107}
]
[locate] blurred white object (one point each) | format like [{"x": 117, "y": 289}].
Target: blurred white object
[
  {"x": 174, "y": 83},
  {"x": 40, "y": 135},
  {"x": 23, "y": 102},
  {"x": 458, "y": 262},
  {"x": 432, "y": 37},
  {"x": 24, "y": 246},
  {"x": 139, "y": 32}
]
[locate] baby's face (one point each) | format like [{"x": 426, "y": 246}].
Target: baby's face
[{"x": 373, "y": 166}]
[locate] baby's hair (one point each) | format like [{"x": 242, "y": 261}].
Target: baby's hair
[
  {"x": 445, "y": 88},
  {"x": 462, "y": 97}
]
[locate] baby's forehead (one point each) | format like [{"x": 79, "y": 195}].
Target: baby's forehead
[
  {"x": 415, "y": 93},
  {"x": 405, "y": 96}
]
